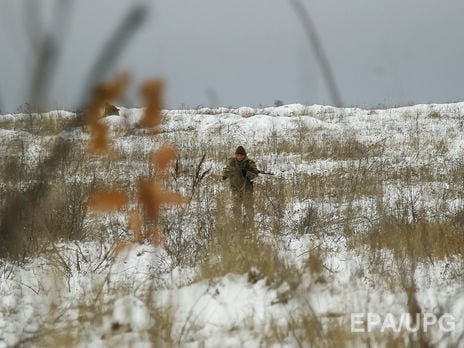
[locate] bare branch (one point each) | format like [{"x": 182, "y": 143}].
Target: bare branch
[
  {"x": 311, "y": 34},
  {"x": 47, "y": 49},
  {"x": 113, "y": 48}
]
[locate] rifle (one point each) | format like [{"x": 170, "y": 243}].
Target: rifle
[
  {"x": 261, "y": 172},
  {"x": 252, "y": 171}
]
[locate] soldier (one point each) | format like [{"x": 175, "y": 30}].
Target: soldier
[{"x": 240, "y": 170}]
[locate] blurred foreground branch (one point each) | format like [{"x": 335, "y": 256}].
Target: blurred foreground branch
[
  {"x": 311, "y": 34},
  {"x": 47, "y": 48},
  {"x": 113, "y": 49},
  {"x": 19, "y": 207}
]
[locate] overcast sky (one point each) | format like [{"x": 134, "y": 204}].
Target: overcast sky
[{"x": 242, "y": 52}]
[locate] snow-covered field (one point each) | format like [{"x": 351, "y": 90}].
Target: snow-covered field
[{"x": 338, "y": 173}]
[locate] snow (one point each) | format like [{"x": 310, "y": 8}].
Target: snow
[{"x": 232, "y": 311}]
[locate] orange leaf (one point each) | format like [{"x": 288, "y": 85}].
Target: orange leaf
[
  {"x": 107, "y": 201},
  {"x": 103, "y": 93},
  {"x": 99, "y": 141},
  {"x": 152, "y": 92},
  {"x": 94, "y": 113},
  {"x": 172, "y": 198},
  {"x": 112, "y": 90},
  {"x": 152, "y": 198},
  {"x": 135, "y": 225},
  {"x": 157, "y": 237},
  {"x": 163, "y": 156}
]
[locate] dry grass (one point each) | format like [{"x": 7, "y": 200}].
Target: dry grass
[
  {"x": 241, "y": 252},
  {"x": 422, "y": 241},
  {"x": 351, "y": 200}
]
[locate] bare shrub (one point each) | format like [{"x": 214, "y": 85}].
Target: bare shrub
[{"x": 270, "y": 204}]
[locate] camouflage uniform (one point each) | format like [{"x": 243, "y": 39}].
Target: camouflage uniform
[{"x": 240, "y": 175}]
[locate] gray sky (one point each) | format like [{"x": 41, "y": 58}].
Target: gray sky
[{"x": 242, "y": 52}]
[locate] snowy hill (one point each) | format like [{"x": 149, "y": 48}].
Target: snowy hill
[{"x": 358, "y": 234}]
